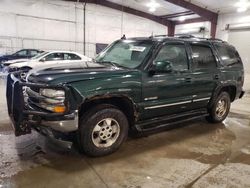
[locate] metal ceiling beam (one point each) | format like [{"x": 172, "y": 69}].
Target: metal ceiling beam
[
  {"x": 204, "y": 13},
  {"x": 186, "y": 13},
  {"x": 127, "y": 10},
  {"x": 193, "y": 20}
]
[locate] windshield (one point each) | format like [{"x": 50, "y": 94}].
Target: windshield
[
  {"x": 126, "y": 53},
  {"x": 39, "y": 55}
]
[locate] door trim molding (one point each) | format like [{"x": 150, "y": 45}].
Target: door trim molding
[
  {"x": 166, "y": 105},
  {"x": 201, "y": 99}
]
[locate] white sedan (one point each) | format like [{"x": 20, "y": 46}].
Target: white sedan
[{"x": 47, "y": 59}]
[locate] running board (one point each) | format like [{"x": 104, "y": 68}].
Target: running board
[{"x": 157, "y": 123}]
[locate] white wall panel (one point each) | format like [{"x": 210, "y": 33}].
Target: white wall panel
[
  {"x": 8, "y": 24},
  {"x": 56, "y": 24}
]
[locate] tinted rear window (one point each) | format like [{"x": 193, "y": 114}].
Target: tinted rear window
[
  {"x": 203, "y": 57},
  {"x": 228, "y": 54}
]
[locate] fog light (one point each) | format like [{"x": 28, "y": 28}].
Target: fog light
[{"x": 59, "y": 109}]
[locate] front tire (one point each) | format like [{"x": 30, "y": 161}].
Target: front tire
[
  {"x": 102, "y": 130},
  {"x": 220, "y": 108}
]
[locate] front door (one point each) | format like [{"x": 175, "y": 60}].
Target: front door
[{"x": 167, "y": 92}]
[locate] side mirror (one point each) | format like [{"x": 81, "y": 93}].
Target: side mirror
[
  {"x": 42, "y": 60},
  {"x": 161, "y": 67}
]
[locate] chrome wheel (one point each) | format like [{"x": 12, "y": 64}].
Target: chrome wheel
[
  {"x": 105, "y": 132},
  {"x": 221, "y": 108}
]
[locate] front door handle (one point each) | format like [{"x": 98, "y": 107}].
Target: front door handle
[
  {"x": 216, "y": 77},
  {"x": 188, "y": 79}
]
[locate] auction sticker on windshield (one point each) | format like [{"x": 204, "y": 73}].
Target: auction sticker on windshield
[{"x": 137, "y": 48}]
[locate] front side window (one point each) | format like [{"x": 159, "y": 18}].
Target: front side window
[
  {"x": 203, "y": 57},
  {"x": 227, "y": 54},
  {"x": 21, "y": 53},
  {"x": 175, "y": 55},
  {"x": 126, "y": 53},
  {"x": 54, "y": 57},
  {"x": 38, "y": 56}
]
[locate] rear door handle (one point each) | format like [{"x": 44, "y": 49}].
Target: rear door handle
[{"x": 188, "y": 79}]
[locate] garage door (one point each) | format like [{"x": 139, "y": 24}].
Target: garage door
[{"x": 241, "y": 40}]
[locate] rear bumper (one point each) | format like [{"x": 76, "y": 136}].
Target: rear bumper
[{"x": 24, "y": 117}]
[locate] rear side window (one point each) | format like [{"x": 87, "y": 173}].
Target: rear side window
[
  {"x": 69, "y": 56},
  {"x": 203, "y": 57},
  {"x": 33, "y": 53},
  {"x": 228, "y": 54},
  {"x": 54, "y": 57}
]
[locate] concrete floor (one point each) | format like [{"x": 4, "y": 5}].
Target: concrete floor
[{"x": 196, "y": 154}]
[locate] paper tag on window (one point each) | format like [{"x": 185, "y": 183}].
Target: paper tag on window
[{"x": 137, "y": 48}]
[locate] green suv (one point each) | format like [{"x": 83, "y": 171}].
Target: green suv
[{"x": 139, "y": 83}]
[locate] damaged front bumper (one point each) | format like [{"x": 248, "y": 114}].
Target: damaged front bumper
[{"x": 25, "y": 116}]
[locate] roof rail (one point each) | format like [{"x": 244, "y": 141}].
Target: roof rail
[
  {"x": 215, "y": 39},
  {"x": 184, "y": 36},
  {"x": 152, "y": 36}
]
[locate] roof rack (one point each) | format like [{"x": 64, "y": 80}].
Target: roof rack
[{"x": 186, "y": 36}]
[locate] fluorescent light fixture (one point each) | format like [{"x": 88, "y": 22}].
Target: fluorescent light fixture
[
  {"x": 242, "y": 9},
  {"x": 152, "y": 9},
  {"x": 152, "y": 5},
  {"x": 242, "y": 5},
  {"x": 182, "y": 19}
]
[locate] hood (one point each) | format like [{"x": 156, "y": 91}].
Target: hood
[
  {"x": 6, "y": 63},
  {"x": 28, "y": 63},
  {"x": 6, "y": 57},
  {"x": 73, "y": 72}
]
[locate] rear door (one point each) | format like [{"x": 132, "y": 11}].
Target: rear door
[{"x": 205, "y": 73}]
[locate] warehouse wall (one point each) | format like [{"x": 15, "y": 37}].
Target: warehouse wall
[
  {"x": 194, "y": 29},
  {"x": 58, "y": 25},
  {"x": 239, "y": 38}
]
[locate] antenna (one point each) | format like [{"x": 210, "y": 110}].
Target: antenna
[{"x": 123, "y": 37}]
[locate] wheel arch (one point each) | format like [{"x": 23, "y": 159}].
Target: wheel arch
[
  {"x": 122, "y": 102},
  {"x": 231, "y": 89}
]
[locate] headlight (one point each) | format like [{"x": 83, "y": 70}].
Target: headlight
[
  {"x": 13, "y": 69},
  {"x": 52, "y": 93},
  {"x": 54, "y": 100}
]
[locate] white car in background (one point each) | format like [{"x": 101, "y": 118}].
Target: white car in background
[{"x": 47, "y": 59}]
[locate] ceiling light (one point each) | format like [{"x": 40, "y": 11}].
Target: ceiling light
[
  {"x": 242, "y": 9},
  {"x": 242, "y": 5},
  {"x": 182, "y": 19},
  {"x": 152, "y": 9},
  {"x": 152, "y": 5}
]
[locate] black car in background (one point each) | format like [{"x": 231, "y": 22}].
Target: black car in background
[{"x": 21, "y": 54}]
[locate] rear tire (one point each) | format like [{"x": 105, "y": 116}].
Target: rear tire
[
  {"x": 102, "y": 130},
  {"x": 220, "y": 108}
]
